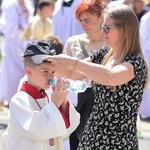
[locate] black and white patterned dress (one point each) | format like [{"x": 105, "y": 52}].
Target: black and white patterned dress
[{"x": 112, "y": 122}]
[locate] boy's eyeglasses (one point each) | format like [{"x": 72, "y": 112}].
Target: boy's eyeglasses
[{"x": 106, "y": 28}]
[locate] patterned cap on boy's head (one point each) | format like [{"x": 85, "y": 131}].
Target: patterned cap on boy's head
[{"x": 38, "y": 50}]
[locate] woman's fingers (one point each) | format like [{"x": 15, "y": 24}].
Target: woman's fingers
[
  {"x": 61, "y": 61},
  {"x": 49, "y": 58}
]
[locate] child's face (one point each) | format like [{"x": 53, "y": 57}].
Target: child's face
[
  {"x": 48, "y": 10},
  {"x": 40, "y": 75}
]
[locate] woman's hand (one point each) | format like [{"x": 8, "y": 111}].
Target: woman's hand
[{"x": 62, "y": 61}]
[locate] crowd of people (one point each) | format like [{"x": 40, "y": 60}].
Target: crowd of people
[{"x": 104, "y": 43}]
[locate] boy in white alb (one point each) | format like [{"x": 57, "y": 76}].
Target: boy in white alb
[{"x": 39, "y": 121}]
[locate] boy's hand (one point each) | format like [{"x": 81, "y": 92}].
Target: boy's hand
[{"x": 59, "y": 94}]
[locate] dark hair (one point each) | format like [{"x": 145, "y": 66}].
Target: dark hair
[
  {"x": 43, "y": 4},
  {"x": 55, "y": 42},
  {"x": 40, "y": 5}
]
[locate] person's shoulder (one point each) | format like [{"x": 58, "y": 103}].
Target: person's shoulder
[
  {"x": 136, "y": 59},
  {"x": 133, "y": 56},
  {"x": 146, "y": 16},
  {"x": 19, "y": 94},
  {"x": 138, "y": 62},
  {"x": 49, "y": 20},
  {"x": 75, "y": 38},
  {"x": 34, "y": 19},
  {"x": 104, "y": 49},
  {"x": 79, "y": 36},
  {"x": 21, "y": 97}
]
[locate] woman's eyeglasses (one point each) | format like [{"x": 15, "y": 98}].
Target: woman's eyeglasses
[{"x": 106, "y": 28}]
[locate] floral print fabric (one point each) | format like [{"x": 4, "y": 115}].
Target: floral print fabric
[{"x": 112, "y": 122}]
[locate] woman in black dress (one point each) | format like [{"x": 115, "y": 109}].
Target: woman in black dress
[{"x": 119, "y": 75}]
